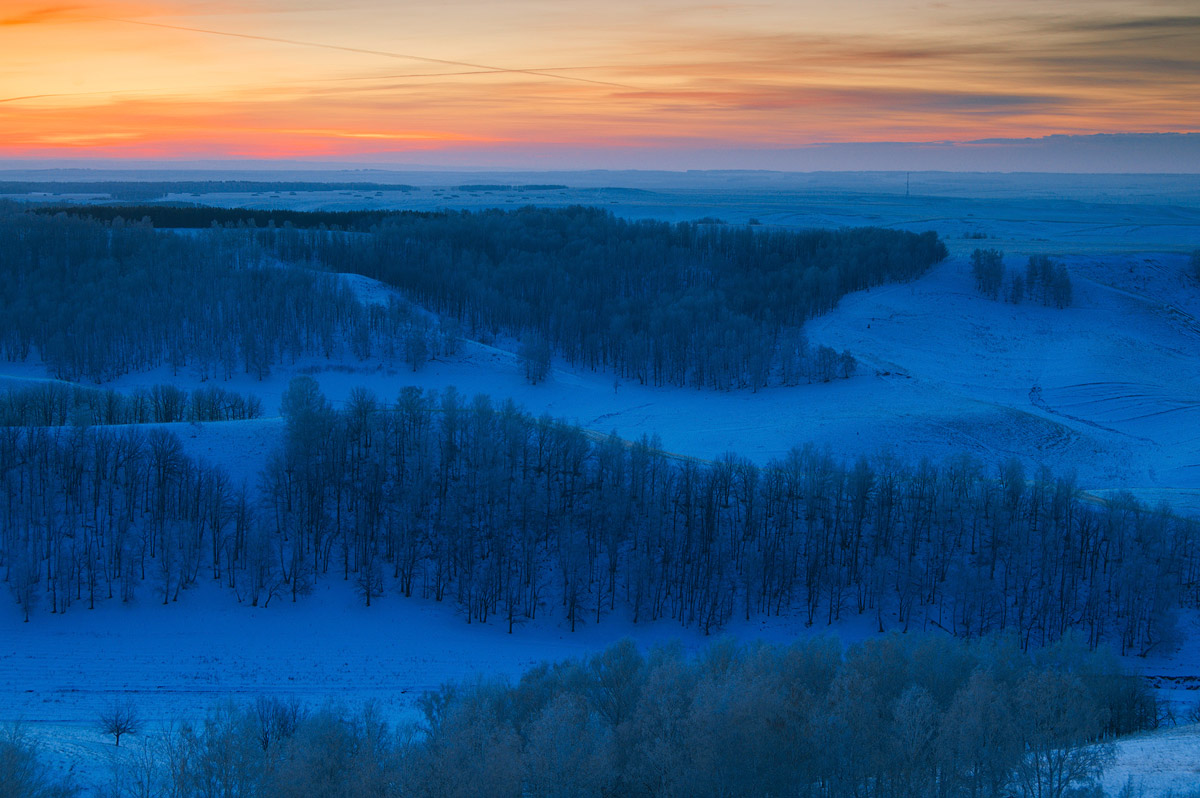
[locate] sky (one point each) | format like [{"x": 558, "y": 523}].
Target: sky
[{"x": 619, "y": 83}]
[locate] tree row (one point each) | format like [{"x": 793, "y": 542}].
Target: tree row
[
  {"x": 510, "y": 516},
  {"x": 58, "y": 404}
]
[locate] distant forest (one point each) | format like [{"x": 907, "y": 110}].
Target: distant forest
[
  {"x": 685, "y": 304},
  {"x": 508, "y": 516},
  {"x": 184, "y": 216},
  {"x": 150, "y": 190},
  {"x": 146, "y": 190}
]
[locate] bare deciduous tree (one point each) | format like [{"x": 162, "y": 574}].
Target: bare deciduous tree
[{"x": 119, "y": 718}]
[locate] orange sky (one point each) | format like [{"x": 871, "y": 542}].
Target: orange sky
[{"x": 317, "y": 79}]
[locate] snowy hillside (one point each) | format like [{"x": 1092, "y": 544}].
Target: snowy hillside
[{"x": 1108, "y": 388}]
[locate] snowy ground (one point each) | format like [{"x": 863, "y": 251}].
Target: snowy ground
[
  {"x": 177, "y": 661},
  {"x": 1157, "y": 764},
  {"x": 1109, "y": 388}
]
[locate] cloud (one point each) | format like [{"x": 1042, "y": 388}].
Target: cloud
[
  {"x": 22, "y": 12},
  {"x": 746, "y": 96},
  {"x": 1171, "y": 25},
  {"x": 382, "y": 53},
  {"x": 35, "y": 16},
  {"x": 777, "y": 74}
]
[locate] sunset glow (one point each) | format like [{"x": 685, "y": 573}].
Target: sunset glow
[{"x": 310, "y": 79}]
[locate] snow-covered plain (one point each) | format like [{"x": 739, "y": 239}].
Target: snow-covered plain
[{"x": 1109, "y": 388}]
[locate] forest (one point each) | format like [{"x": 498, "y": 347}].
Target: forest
[
  {"x": 510, "y": 516},
  {"x": 1013, "y": 589},
  {"x": 892, "y": 717},
  {"x": 688, "y": 304},
  {"x": 457, "y": 498},
  {"x": 98, "y": 300},
  {"x": 664, "y": 304}
]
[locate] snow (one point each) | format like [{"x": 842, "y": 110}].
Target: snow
[
  {"x": 1109, "y": 388},
  {"x": 58, "y": 672},
  {"x": 1157, "y": 764}
]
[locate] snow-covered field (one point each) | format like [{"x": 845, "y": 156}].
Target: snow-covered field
[
  {"x": 177, "y": 661},
  {"x": 1165, "y": 762},
  {"x": 1109, "y": 388}
]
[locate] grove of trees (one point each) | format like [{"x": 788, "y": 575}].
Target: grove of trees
[
  {"x": 890, "y": 717},
  {"x": 684, "y": 304},
  {"x": 508, "y": 516},
  {"x": 1045, "y": 279}
]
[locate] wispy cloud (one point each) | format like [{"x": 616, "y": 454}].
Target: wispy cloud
[
  {"x": 34, "y": 16},
  {"x": 1163, "y": 23},
  {"x": 776, "y": 73},
  {"x": 366, "y": 51}
]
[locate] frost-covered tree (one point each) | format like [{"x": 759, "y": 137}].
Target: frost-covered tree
[
  {"x": 23, "y": 772},
  {"x": 1059, "y": 724}
]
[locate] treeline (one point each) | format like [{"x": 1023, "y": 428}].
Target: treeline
[
  {"x": 507, "y": 187},
  {"x": 139, "y": 190},
  {"x": 896, "y": 717},
  {"x": 665, "y": 304},
  {"x": 183, "y": 216},
  {"x": 97, "y": 300},
  {"x": 1045, "y": 280},
  {"x": 57, "y": 404},
  {"x": 509, "y": 516}
]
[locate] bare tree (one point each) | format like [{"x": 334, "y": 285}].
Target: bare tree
[{"x": 118, "y": 718}]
